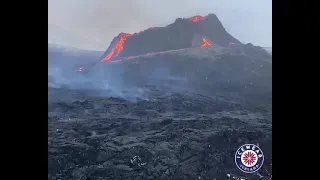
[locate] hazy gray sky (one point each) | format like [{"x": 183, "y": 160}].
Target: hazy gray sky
[{"x": 101, "y": 20}]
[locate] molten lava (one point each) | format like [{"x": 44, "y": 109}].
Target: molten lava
[
  {"x": 197, "y": 18},
  {"x": 205, "y": 42},
  {"x": 118, "y": 47},
  {"x": 113, "y": 53}
]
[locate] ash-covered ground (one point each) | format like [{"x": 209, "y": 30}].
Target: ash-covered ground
[{"x": 164, "y": 133}]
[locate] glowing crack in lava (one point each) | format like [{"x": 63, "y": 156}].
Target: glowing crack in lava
[
  {"x": 118, "y": 47},
  {"x": 205, "y": 42},
  {"x": 197, "y": 18}
]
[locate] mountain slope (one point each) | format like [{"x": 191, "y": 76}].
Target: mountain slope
[{"x": 183, "y": 33}]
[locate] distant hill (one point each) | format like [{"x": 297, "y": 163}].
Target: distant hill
[
  {"x": 268, "y": 49},
  {"x": 58, "y": 35},
  {"x": 63, "y": 55}
]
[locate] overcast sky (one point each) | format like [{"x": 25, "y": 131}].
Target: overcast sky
[{"x": 98, "y": 21}]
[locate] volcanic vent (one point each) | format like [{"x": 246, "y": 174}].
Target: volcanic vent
[{"x": 184, "y": 33}]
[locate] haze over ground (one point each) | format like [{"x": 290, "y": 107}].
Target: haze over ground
[{"x": 96, "y": 22}]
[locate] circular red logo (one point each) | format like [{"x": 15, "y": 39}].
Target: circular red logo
[{"x": 249, "y": 158}]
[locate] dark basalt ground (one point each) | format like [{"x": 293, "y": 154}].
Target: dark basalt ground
[{"x": 176, "y": 136}]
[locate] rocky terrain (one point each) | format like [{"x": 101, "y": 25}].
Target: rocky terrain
[{"x": 169, "y": 136}]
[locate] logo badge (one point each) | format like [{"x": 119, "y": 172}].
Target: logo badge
[{"x": 249, "y": 158}]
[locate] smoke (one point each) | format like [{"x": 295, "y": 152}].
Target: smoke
[
  {"x": 96, "y": 22},
  {"x": 106, "y": 80},
  {"x": 103, "y": 80}
]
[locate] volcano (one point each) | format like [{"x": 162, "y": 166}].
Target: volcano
[
  {"x": 172, "y": 102},
  {"x": 184, "y": 33}
]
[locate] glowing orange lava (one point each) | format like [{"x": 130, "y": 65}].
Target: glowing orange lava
[
  {"x": 197, "y": 18},
  {"x": 118, "y": 47},
  {"x": 122, "y": 37},
  {"x": 205, "y": 42}
]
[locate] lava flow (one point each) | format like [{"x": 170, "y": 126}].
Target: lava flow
[
  {"x": 197, "y": 18},
  {"x": 118, "y": 46},
  {"x": 205, "y": 42}
]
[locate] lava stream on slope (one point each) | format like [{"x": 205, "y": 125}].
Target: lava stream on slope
[{"x": 119, "y": 46}]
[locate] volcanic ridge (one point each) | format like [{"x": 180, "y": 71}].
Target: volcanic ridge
[{"x": 184, "y": 33}]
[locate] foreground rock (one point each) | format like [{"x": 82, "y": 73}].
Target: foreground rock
[{"x": 170, "y": 136}]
